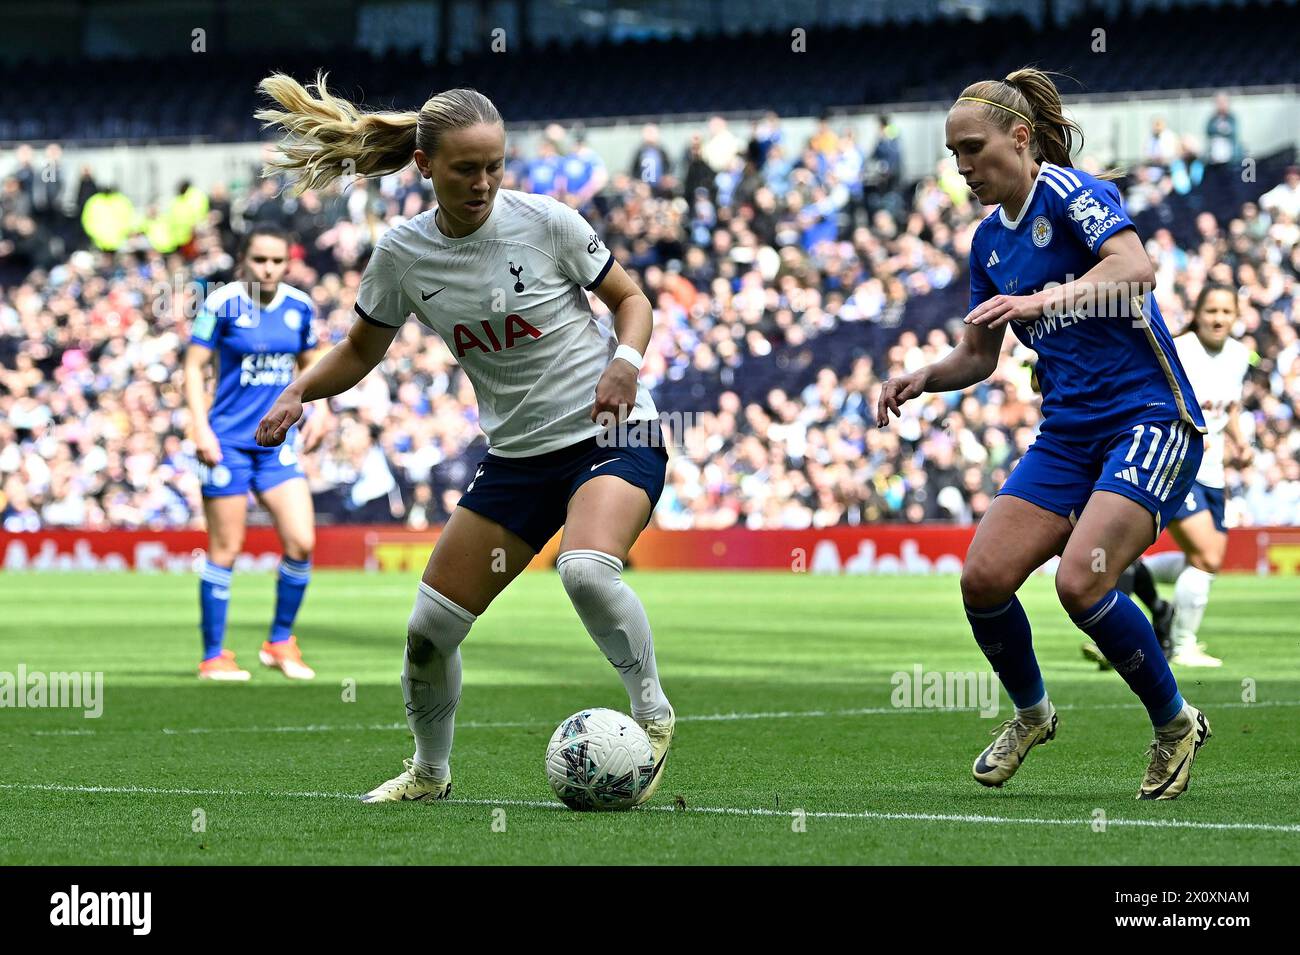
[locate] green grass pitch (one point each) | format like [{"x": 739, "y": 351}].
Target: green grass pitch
[{"x": 788, "y": 749}]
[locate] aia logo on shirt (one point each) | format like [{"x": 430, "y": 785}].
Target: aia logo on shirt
[{"x": 517, "y": 329}]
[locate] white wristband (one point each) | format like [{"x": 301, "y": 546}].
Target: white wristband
[{"x": 630, "y": 355}]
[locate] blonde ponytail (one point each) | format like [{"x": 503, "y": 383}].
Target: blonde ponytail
[
  {"x": 1054, "y": 134},
  {"x": 327, "y": 137},
  {"x": 1029, "y": 97}
]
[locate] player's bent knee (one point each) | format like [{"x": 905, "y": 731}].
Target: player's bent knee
[
  {"x": 436, "y": 625},
  {"x": 588, "y": 575},
  {"x": 1078, "y": 587},
  {"x": 300, "y": 548},
  {"x": 224, "y": 554},
  {"x": 1209, "y": 563},
  {"x": 985, "y": 585}
]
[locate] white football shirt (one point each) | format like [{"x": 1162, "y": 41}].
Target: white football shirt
[
  {"x": 508, "y": 300},
  {"x": 1217, "y": 379}
]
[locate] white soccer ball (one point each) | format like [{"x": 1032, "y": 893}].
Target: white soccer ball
[{"x": 599, "y": 759}]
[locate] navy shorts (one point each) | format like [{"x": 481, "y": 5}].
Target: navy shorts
[
  {"x": 530, "y": 495},
  {"x": 1153, "y": 464},
  {"x": 1201, "y": 498},
  {"x": 243, "y": 468}
]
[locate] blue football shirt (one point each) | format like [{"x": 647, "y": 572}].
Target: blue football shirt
[
  {"x": 579, "y": 168},
  {"x": 256, "y": 352},
  {"x": 1107, "y": 365}
]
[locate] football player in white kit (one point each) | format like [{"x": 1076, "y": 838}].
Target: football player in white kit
[
  {"x": 1217, "y": 365},
  {"x": 500, "y": 276}
]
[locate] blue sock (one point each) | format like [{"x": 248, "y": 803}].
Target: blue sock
[
  {"x": 1002, "y": 632},
  {"x": 214, "y": 601},
  {"x": 1123, "y": 633},
  {"x": 289, "y": 590}
]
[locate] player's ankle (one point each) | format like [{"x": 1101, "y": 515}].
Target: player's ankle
[
  {"x": 1179, "y": 725},
  {"x": 438, "y": 771},
  {"x": 1035, "y": 715}
]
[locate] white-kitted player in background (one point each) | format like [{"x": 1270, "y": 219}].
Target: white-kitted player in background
[
  {"x": 1217, "y": 364},
  {"x": 500, "y": 276}
]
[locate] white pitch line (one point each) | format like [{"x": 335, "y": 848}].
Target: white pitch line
[
  {"x": 704, "y": 810},
  {"x": 685, "y": 718}
]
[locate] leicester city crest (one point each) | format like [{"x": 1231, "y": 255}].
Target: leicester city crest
[
  {"x": 1041, "y": 231},
  {"x": 293, "y": 319}
]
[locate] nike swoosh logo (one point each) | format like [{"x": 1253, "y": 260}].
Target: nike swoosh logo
[
  {"x": 425, "y": 296},
  {"x": 1160, "y": 790},
  {"x": 659, "y": 765},
  {"x": 603, "y": 463},
  {"x": 221, "y": 594}
]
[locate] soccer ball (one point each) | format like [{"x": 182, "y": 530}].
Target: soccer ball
[{"x": 599, "y": 759}]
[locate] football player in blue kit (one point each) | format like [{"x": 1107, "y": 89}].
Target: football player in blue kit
[
  {"x": 1122, "y": 433},
  {"x": 258, "y": 333}
]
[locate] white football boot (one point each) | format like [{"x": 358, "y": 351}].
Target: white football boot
[
  {"x": 1194, "y": 655},
  {"x": 1171, "y": 758},
  {"x": 409, "y": 786},
  {"x": 661, "y": 737},
  {"x": 1015, "y": 738}
]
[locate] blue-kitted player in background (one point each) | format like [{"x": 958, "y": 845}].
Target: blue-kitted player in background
[
  {"x": 257, "y": 332},
  {"x": 1122, "y": 434}
]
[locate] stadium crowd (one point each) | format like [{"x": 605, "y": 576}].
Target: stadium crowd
[{"x": 748, "y": 245}]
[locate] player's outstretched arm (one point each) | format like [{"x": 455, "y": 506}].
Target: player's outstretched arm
[
  {"x": 321, "y": 419},
  {"x": 973, "y": 360},
  {"x": 342, "y": 368}
]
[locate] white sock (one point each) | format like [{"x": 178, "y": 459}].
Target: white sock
[
  {"x": 1191, "y": 594},
  {"x": 1179, "y": 725},
  {"x": 614, "y": 616},
  {"x": 1037, "y": 714},
  {"x": 431, "y": 677},
  {"x": 1166, "y": 566}
]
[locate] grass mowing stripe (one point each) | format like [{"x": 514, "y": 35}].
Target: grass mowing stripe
[
  {"x": 707, "y": 810},
  {"x": 690, "y": 718}
]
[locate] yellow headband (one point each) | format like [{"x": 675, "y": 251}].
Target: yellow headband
[{"x": 989, "y": 102}]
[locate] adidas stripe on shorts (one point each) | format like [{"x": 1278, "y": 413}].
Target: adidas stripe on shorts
[{"x": 1153, "y": 463}]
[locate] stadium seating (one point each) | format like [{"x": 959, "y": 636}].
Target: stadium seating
[{"x": 168, "y": 98}]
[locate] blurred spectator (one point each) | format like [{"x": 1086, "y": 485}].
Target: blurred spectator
[
  {"x": 765, "y": 134},
  {"x": 884, "y": 171},
  {"x": 545, "y": 173},
  {"x": 721, "y": 147},
  {"x": 698, "y": 174},
  {"x": 1187, "y": 171},
  {"x": 1284, "y": 199},
  {"x": 1148, "y": 189},
  {"x": 108, "y": 218},
  {"x": 85, "y": 189},
  {"x": 584, "y": 172},
  {"x": 1162, "y": 145},
  {"x": 1222, "y": 143},
  {"x": 650, "y": 163},
  {"x": 47, "y": 189}
]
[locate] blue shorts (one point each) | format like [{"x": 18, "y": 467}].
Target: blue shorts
[
  {"x": 1201, "y": 498},
  {"x": 1153, "y": 464},
  {"x": 242, "y": 468},
  {"x": 530, "y": 495}
]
